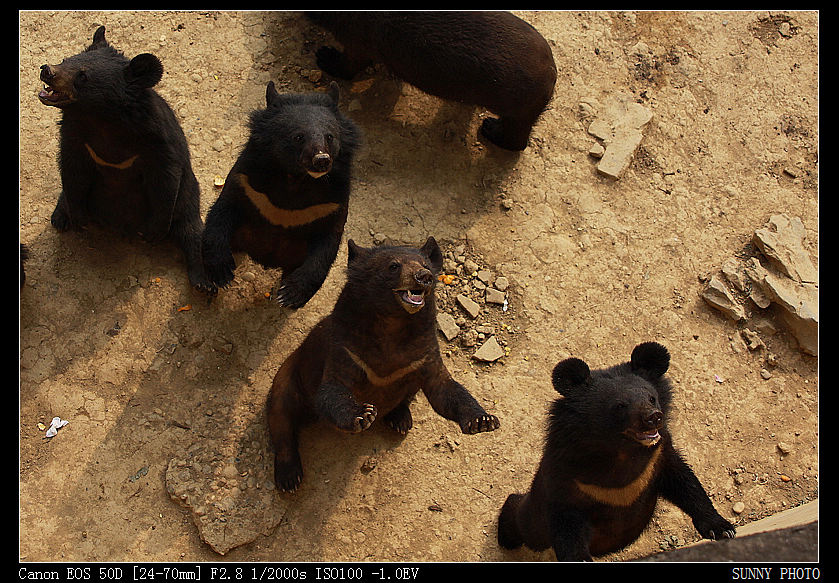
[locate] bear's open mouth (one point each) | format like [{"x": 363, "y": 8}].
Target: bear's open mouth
[
  {"x": 315, "y": 174},
  {"x": 648, "y": 438},
  {"x": 49, "y": 96},
  {"x": 412, "y": 299}
]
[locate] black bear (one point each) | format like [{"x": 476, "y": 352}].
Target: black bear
[
  {"x": 608, "y": 457},
  {"x": 285, "y": 200},
  {"x": 124, "y": 159},
  {"x": 369, "y": 358},
  {"x": 491, "y": 59}
]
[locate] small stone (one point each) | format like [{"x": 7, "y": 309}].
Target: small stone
[
  {"x": 765, "y": 374},
  {"x": 784, "y": 447},
  {"x": 597, "y": 150},
  {"x": 471, "y": 306},
  {"x": 494, "y": 296},
  {"x": 501, "y": 283},
  {"x": 485, "y": 275},
  {"x": 447, "y": 325},
  {"x": 738, "y": 507},
  {"x": 490, "y": 351},
  {"x": 470, "y": 266}
]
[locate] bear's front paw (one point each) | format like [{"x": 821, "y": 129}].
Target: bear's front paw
[
  {"x": 291, "y": 293},
  {"x": 287, "y": 474},
  {"x": 358, "y": 420},
  {"x": 481, "y": 424},
  {"x": 219, "y": 268},
  {"x": 715, "y": 528}
]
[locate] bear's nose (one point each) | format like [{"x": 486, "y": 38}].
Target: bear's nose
[
  {"x": 424, "y": 277},
  {"x": 321, "y": 162},
  {"x": 46, "y": 73},
  {"x": 654, "y": 420}
]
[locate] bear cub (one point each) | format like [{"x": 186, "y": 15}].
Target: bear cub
[
  {"x": 608, "y": 457},
  {"x": 124, "y": 160},
  {"x": 285, "y": 200},
  {"x": 369, "y": 357},
  {"x": 490, "y": 59}
]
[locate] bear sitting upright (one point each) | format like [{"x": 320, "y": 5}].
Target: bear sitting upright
[
  {"x": 369, "y": 358},
  {"x": 123, "y": 158},
  {"x": 608, "y": 457},
  {"x": 491, "y": 59},
  {"x": 285, "y": 200}
]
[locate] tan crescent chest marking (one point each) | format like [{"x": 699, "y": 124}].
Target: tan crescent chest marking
[
  {"x": 118, "y": 166},
  {"x": 285, "y": 217},
  {"x": 389, "y": 379},
  {"x": 625, "y": 495}
]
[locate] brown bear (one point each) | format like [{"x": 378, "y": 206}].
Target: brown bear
[
  {"x": 491, "y": 59},
  {"x": 369, "y": 357},
  {"x": 607, "y": 458},
  {"x": 123, "y": 158}
]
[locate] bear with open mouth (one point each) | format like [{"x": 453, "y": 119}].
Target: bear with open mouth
[
  {"x": 124, "y": 160},
  {"x": 608, "y": 457},
  {"x": 369, "y": 358}
]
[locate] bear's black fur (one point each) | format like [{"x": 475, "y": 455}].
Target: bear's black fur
[
  {"x": 369, "y": 358},
  {"x": 491, "y": 59},
  {"x": 285, "y": 200},
  {"x": 124, "y": 159},
  {"x": 608, "y": 457}
]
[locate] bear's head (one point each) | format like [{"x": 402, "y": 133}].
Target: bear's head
[
  {"x": 628, "y": 401},
  {"x": 396, "y": 279},
  {"x": 302, "y": 133},
  {"x": 99, "y": 78}
]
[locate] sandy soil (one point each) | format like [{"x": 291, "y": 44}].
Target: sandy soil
[{"x": 164, "y": 390}]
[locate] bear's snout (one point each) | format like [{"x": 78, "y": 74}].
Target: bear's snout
[
  {"x": 654, "y": 420},
  {"x": 321, "y": 162},
  {"x": 47, "y": 73},
  {"x": 424, "y": 277}
]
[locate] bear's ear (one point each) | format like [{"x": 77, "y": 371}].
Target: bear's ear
[
  {"x": 432, "y": 251},
  {"x": 650, "y": 357},
  {"x": 271, "y": 95},
  {"x": 144, "y": 70},
  {"x": 334, "y": 93},
  {"x": 98, "y": 39},
  {"x": 569, "y": 374},
  {"x": 353, "y": 251}
]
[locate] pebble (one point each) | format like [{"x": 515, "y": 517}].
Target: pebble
[
  {"x": 472, "y": 308},
  {"x": 738, "y": 507},
  {"x": 447, "y": 325},
  {"x": 490, "y": 351},
  {"x": 501, "y": 283},
  {"x": 495, "y": 296}
]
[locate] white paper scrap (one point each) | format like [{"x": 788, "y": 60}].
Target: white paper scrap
[{"x": 55, "y": 425}]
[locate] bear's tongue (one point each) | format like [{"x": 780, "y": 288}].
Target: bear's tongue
[{"x": 410, "y": 297}]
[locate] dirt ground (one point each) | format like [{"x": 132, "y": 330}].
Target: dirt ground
[{"x": 164, "y": 390}]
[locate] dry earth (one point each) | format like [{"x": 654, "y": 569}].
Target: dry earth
[{"x": 164, "y": 390}]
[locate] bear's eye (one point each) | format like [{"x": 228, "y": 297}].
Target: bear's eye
[
  {"x": 329, "y": 138},
  {"x": 298, "y": 137},
  {"x": 652, "y": 400},
  {"x": 81, "y": 76},
  {"x": 394, "y": 266}
]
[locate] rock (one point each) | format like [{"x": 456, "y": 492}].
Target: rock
[
  {"x": 501, "y": 283},
  {"x": 738, "y": 508},
  {"x": 226, "y": 514},
  {"x": 716, "y": 294},
  {"x": 781, "y": 241},
  {"x": 494, "y": 296},
  {"x": 471, "y": 306},
  {"x": 619, "y": 127},
  {"x": 490, "y": 351},
  {"x": 447, "y": 325}
]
